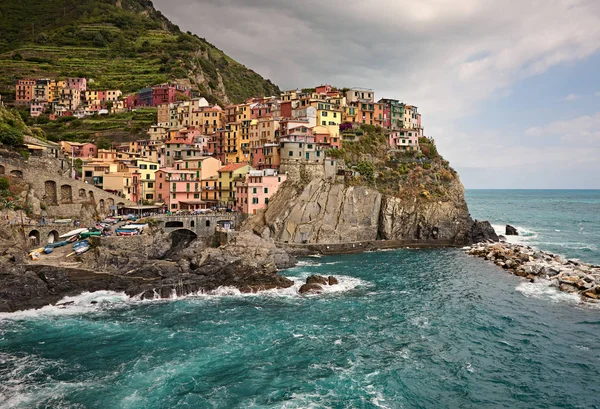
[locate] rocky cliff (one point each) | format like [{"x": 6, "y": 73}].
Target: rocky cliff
[
  {"x": 139, "y": 267},
  {"x": 406, "y": 197}
]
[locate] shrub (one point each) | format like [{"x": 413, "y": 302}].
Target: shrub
[
  {"x": 4, "y": 183},
  {"x": 10, "y": 136},
  {"x": 366, "y": 169}
]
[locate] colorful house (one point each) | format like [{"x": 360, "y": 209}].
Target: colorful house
[
  {"x": 404, "y": 139},
  {"x": 254, "y": 193},
  {"x": 229, "y": 175}
]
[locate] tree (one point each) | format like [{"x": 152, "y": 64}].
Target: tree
[
  {"x": 366, "y": 169},
  {"x": 10, "y": 136},
  {"x": 103, "y": 143}
]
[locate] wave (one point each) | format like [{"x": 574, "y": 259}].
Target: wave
[
  {"x": 92, "y": 302},
  {"x": 83, "y": 303},
  {"x": 544, "y": 290},
  {"x": 524, "y": 236},
  {"x": 21, "y": 371}
]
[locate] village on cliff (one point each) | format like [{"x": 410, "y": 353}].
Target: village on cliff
[{"x": 200, "y": 156}]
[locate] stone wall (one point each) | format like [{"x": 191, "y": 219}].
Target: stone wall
[{"x": 52, "y": 189}]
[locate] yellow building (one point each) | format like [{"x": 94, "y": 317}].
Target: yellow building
[{"x": 229, "y": 175}]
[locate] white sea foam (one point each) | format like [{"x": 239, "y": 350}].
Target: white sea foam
[
  {"x": 89, "y": 302},
  {"x": 525, "y": 235},
  {"x": 83, "y": 303},
  {"x": 543, "y": 290}
]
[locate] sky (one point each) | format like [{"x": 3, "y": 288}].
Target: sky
[{"x": 509, "y": 89}]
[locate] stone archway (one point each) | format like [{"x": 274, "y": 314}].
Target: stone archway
[
  {"x": 192, "y": 224},
  {"x": 2, "y": 169},
  {"x": 82, "y": 194},
  {"x": 120, "y": 204},
  {"x": 110, "y": 201},
  {"x": 102, "y": 206},
  {"x": 50, "y": 192},
  {"x": 53, "y": 236},
  {"x": 34, "y": 237},
  {"x": 91, "y": 193},
  {"x": 16, "y": 173},
  {"x": 66, "y": 194},
  {"x": 174, "y": 224}
]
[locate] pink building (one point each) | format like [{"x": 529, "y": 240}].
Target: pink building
[
  {"x": 254, "y": 194},
  {"x": 178, "y": 189},
  {"x": 404, "y": 139},
  {"x": 76, "y": 83},
  {"x": 37, "y": 108}
]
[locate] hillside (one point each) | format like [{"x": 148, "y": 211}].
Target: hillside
[{"x": 119, "y": 44}]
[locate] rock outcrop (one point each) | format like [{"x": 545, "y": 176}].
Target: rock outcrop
[
  {"x": 326, "y": 211},
  {"x": 511, "y": 231},
  {"x": 137, "y": 266}
]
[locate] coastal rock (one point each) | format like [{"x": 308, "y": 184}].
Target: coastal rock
[
  {"x": 310, "y": 288},
  {"x": 316, "y": 279},
  {"x": 511, "y": 231},
  {"x": 324, "y": 211},
  {"x": 134, "y": 265},
  {"x": 531, "y": 264},
  {"x": 332, "y": 280}
]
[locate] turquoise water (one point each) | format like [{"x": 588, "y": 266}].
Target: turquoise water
[
  {"x": 404, "y": 329},
  {"x": 561, "y": 221}
]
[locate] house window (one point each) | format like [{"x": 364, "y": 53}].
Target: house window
[
  {"x": 174, "y": 206},
  {"x": 254, "y": 190},
  {"x": 150, "y": 185},
  {"x": 174, "y": 196},
  {"x": 196, "y": 196},
  {"x": 266, "y": 190},
  {"x": 148, "y": 176},
  {"x": 255, "y": 200},
  {"x": 291, "y": 153},
  {"x": 266, "y": 200},
  {"x": 160, "y": 185}
]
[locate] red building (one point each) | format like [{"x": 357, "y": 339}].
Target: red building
[{"x": 166, "y": 94}]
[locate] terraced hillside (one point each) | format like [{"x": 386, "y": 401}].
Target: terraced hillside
[{"x": 119, "y": 44}]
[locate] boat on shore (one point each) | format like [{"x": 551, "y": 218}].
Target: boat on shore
[{"x": 73, "y": 233}]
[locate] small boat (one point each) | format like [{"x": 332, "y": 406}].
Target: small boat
[
  {"x": 73, "y": 233},
  {"x": 37, "y": 250},
  {"x": 34, "y": 255},
  {"x": 90, "y": 233},
  {"x": 82, "y": 250},
  {"x": 127, "y": 232},
  {"x": 80, "y": 244},
  {"x": 51, "y": 246}
]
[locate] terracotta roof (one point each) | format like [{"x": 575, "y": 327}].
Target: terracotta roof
[{"x": 232, "y": 167}]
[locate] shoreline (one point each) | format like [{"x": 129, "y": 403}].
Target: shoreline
[
  {"x": 330, "y": 249},
  {"x": 567, "y": 275}
]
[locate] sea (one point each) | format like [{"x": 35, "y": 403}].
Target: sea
[{"x": 406, "y": 328}]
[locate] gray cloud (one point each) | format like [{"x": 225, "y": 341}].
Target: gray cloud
[{"x": 445, "y": 56}]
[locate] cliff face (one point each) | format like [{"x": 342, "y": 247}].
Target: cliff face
[
  {"x": 326, "y": 211},
  {"x": 408, "y": 198}
]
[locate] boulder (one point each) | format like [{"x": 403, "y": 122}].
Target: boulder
[
  {"x": 332, "y": 280},
  {"x": 316, "y": 279},
  {"x": 511, "y": 231},
  {"x": 310, "y": 288}
]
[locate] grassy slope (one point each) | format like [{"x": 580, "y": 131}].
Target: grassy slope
[{"x": 123, "y": 44}]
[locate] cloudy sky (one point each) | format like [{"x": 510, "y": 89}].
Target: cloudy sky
[{"x": 509, "y": 89}]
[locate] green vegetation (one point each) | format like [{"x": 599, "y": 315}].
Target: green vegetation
[
  {"x": 119, "y": 44},
  {"x": 405, "y": 174},
  {"x": 99, "y": 129},
  {"x": 12, "y": 129}
]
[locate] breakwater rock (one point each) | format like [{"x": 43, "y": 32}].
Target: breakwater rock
[{"x": 567, "y": 275}]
